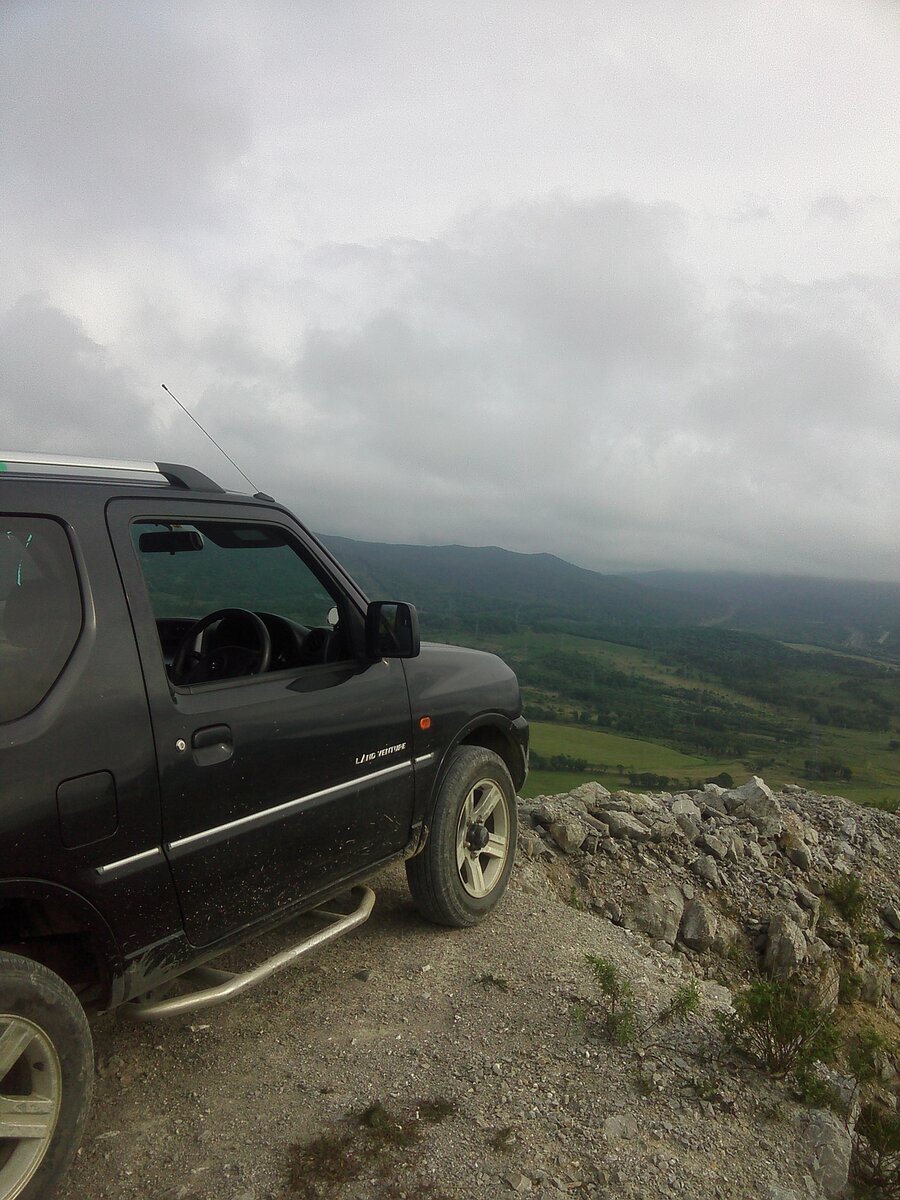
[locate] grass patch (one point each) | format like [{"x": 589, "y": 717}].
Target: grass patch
[
  {"x": 488, "y": 981},
  {"x": 613, "y": 759},
  {"x": 503, "y": 1139},
  {"x": 370, "y": 1143}
]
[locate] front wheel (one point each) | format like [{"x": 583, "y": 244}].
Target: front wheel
[
  {"x": 46, "y": 1078},
  {"x": 461, "y": 873}
]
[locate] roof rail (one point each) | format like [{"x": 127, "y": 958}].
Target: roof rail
[{"x": 178, "y": 476}]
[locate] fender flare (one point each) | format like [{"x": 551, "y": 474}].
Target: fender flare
[
  {"x": 500, "y": 726},
  {"x": 42, "y": 890}
]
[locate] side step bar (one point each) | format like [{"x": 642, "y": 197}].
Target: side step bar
[{"x": 225, "y": 985}]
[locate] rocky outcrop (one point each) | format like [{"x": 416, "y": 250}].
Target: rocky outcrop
[
  {"x": 793, "y": 885},
  {"x": 798, "y": 885}
]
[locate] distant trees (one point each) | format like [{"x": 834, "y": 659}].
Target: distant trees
[
  {"x": 557, "y": 762},
  {"x": 826, "y": 768}
]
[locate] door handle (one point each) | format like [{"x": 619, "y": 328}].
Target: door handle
[{"x": 212, "y": 744}]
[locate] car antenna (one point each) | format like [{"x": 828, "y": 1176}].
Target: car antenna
[{"x": 256, "y": 495}]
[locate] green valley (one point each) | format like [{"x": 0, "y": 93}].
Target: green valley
[{"x": 644, "y": 686}]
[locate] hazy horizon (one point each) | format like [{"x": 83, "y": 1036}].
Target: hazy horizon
[{"x": 612, "y": 569}]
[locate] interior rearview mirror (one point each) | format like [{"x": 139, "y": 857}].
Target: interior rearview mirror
[
  {"x": 392, "y": 630},
  {"x": 170, "y": 541}
]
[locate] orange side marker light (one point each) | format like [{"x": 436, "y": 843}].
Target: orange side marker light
[{"x": 424, "y": 722}]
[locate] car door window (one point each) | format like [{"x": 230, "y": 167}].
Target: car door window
[
  {"x": 234, "y": 599},
  {"x": 40, "y": 610}
]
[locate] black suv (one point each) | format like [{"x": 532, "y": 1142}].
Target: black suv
[{"x": 206, "y": 728}]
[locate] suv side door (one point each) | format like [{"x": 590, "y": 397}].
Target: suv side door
[{"x": 274, "y": 786}]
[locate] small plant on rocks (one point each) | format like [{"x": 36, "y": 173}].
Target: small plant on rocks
[
  {"x": 877, "y": 1135},
  {"x": 815, "y": 1091},
  {"x": 846, "y": 894},
  {"x": 877, "y": 1147},
  {"x": 617, "y": 1003},
  {"x": 876, "y": 942},
  {"x": 772, "y": 1025},
  {"x": 849, "y": 986},
  {"x": 372, "y": 1142},
  {"x": 686, "y": 1000},
  {"x": 619, "y": 1019}
]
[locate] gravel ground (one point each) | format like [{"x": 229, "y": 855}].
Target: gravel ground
[{"x": 228, "y": 1104}]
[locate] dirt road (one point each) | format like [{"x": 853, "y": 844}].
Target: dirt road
[{"x": 464, "y": 1042}]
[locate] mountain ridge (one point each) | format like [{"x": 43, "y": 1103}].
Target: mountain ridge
[{"x": 455, "y": 582}]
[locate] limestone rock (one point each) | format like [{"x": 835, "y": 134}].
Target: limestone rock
[
  {"x": 712, "y": 804},
  {"x": 735, "y": 848},
  {"x": 683, "y": 805},
  {"x": 809, "y": 901},
  {"x": 714, "y": 845},
  {"x": 518, "y": 1182},
  {"x": 705, "y": 868},
  {"x": 546, "y": 815},
  {"x": 785, "y": 949},
  {"x": 530, "y": 843},
  {"x": 619, "y": 1127},
  {"x": 689, "y": 826},
  {"x": 658, "y": 914},
  {"x": 875, "y": 982},
  {"x": 638, "y": 803},
  {"x": 796, "y": 850},
  {"x": 663, "y": 828},
  {"x": 624, "y": 825},
  {"x": 591, "y": 792},
  {"x": 699, "y": 925},
  {"x": 568, "y": 835},
  {"x": 823, "y": 976},
  {"x": 828, "y": 1145},
  {"x": 755, "y": 853},
  {"x": 755, "y": 803}
]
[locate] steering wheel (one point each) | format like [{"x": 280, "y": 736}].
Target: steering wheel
[{"x": 225, "y": 662}]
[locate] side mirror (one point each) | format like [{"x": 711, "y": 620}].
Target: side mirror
[{"x": 392, "y": 630}]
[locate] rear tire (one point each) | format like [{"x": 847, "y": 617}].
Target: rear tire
[
  {"x": 46, "y": 1078},
  {"x": 461, "y": 873}
]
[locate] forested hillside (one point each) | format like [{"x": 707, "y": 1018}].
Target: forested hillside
[{"x": 653, "y": 667}]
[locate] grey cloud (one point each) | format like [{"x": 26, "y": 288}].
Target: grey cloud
[
  {"x": 832, "y": 207},
  {"x": 545, "y": 376},
  {"x": 60, "y": 391},
  {"x": 526, "y": 386},
  {"x": 136, "y": 128},
  {"x": 751, "y": 209}
]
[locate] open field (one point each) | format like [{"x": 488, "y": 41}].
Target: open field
[
  {"x": 616, "y": 756},
  {"x": 875, "y": 769}
]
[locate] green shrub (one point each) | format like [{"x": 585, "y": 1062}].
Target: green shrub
[
  {"x": 866, "y": 1053},
  {"x": 814, "y": 1090},
  {"x": 772, "y": 1025},
  {"x": 618, "y": 1011},
  {"x": 849, "y": 987},
  {"x": 875, "y": 940},
  {"x": 619, "y": 1018},
  {"x": 847, "y": 896},
  {"x": 878, "y": 1149}
]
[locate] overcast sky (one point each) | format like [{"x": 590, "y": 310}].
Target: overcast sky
[{"x": 616, "y": 280}]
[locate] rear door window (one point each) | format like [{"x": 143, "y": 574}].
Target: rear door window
[{"x": 40, "y": 610}]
